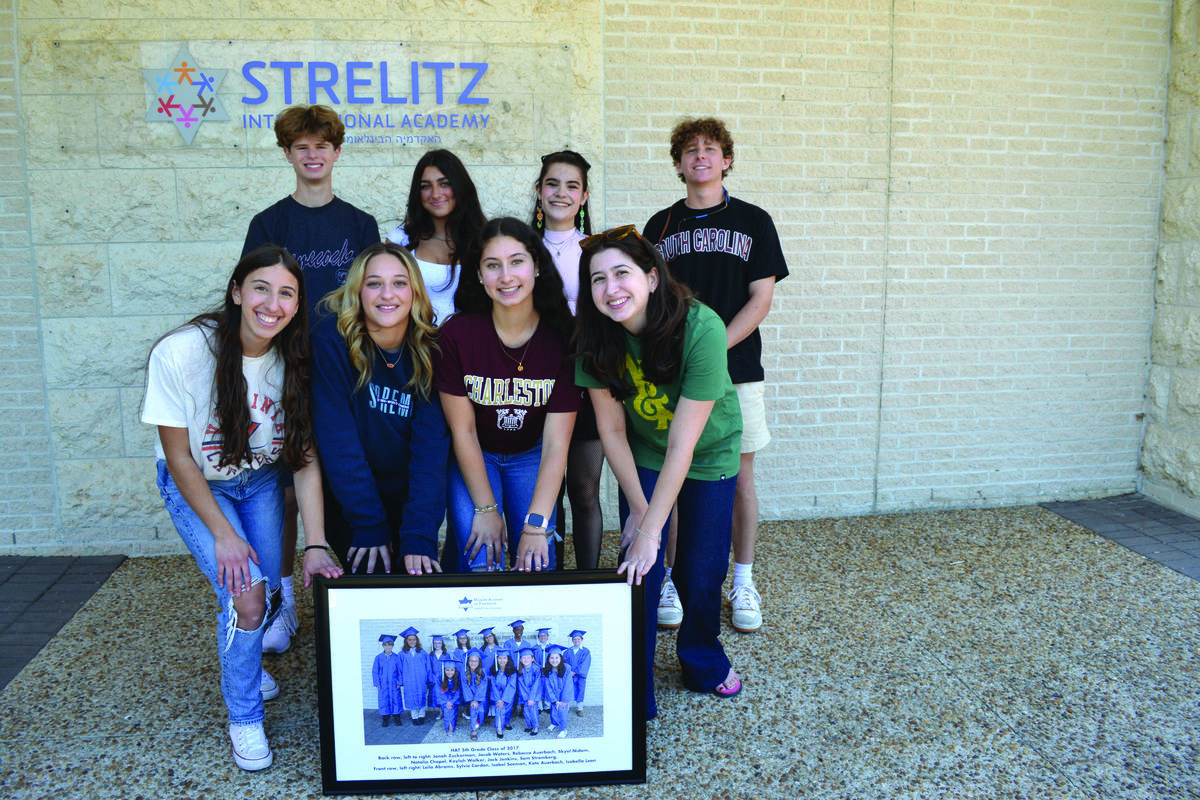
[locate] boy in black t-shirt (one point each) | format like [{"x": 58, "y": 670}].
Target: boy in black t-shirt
[
  {"x": 728, "y": 253},
  {"x": 324, "y": 233}
]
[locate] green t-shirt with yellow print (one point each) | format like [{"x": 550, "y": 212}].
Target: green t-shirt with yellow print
[{"x": 703, "y": 376}]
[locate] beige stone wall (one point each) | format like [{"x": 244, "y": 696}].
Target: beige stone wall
[
  {"x": 133, "y": 231},
  {"x": 1171, "y": 450},
  {"x": 967, "y": 193}
]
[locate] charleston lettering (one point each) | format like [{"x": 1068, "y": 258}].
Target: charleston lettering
[
  {"x": 528, "y": 392},
  {"x": 706, "y": 240}
]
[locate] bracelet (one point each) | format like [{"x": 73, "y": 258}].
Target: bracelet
[
  {"x": 486, "y": 509},
  {"x": 316, "y": 547},
  {"x": 642, "y": 534},
  {"x": 533, "y": 530}
]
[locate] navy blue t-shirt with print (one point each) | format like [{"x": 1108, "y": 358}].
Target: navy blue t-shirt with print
[{"x": 323, "y": 240}]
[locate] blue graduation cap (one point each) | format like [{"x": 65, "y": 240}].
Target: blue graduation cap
[
  {"x": 486, "y": 631},
  {"x": 387, "y": 637},
  {"x": 517, "y": 623},
  {"x": 555, "y": 648},
  {"x": 409, "y": 631},
  {"x": 543, "y": 630},
  {"x": 525, "y": 650},
  {"x": 461, "y": 632},
  {"x": 437, "y": 637},
  {"x": 575, "y": 633}
]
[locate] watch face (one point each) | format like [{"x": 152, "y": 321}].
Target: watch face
[{"x": 536, "y": 520}]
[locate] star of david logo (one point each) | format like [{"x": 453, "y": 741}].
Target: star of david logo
[{"x": 184, "y": 94}]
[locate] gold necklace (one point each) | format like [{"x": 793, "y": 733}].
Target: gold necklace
[
  {"x": 383, "y": 354},
  {"x": 504, "y": 349}
]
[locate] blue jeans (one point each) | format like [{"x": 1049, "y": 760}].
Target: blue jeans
[
  {"x": 253, "y": 504},
  {"x": 701, "y": 561},
  {"x": 512, "y": 478}
]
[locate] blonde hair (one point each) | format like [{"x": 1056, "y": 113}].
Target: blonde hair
[{"x": 419, "y": 338}]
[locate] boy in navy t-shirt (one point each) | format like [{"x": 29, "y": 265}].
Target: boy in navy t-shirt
[{"x": 323, "y": 233}]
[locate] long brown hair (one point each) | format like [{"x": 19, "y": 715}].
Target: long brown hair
[
  {"x": 464, "y": 221},
  {"x": 229, "y": 382},
  {"x": 600, "y": 341}
]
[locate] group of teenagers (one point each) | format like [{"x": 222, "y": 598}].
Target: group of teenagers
[
  {"x": 482, "y": 682},
  {"x": 455, "y": 371}
]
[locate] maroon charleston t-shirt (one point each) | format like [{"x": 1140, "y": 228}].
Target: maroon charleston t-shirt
[{"x": 510, "y": 404}]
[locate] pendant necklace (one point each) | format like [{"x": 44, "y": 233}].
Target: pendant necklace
[
  {"x": 383, "y": 355},
  {"x": 558, "y": 246},
  {"x": 520, "y": 363}
]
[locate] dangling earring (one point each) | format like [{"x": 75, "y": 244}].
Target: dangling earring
[
  {"x": 539, "y": 215},
  {"x": 582, "y": 218}
]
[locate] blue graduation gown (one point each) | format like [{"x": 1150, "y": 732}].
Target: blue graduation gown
[
  {"x": 556, "y": 690},
  {"x": 414, "y": 676},
  {"x": 503, "y": 689},
  {"x": 529, "y": 692},
  {"x": 449, "y": 700},
  {"x": 385, "y": 677},
  {"x": 435, "y": 673},
  {"x": 580, "y": 664},
  {"x": 475, "y": 690}
]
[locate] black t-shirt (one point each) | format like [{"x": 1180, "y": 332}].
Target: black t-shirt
[
  {"x": 718, "y": 252},
  {"x": 323, "y": 240}
]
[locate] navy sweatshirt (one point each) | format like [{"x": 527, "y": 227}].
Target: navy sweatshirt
[{"x": 380, "y": 441}]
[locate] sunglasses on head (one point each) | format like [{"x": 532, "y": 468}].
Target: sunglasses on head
[{"x": 610, "y": 235}]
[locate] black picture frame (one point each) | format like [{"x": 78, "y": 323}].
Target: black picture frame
[{"x": 359, "y": 755}]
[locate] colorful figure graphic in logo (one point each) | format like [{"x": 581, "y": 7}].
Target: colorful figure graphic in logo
[{"x": 184, "y": 94}]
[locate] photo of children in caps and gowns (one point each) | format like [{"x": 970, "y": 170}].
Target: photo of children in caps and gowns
[{"x": 481, "y": 687}]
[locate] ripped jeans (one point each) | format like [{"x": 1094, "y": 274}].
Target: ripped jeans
[{"x": 253, "y": 503}]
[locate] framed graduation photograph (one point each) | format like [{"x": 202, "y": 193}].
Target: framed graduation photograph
[{"x": 498, "y": 680}]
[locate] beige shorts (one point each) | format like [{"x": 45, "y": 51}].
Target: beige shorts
[{"x": 755, "y": 435}]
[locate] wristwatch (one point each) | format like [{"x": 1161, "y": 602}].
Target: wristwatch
[{"x": 536, "y": 521}]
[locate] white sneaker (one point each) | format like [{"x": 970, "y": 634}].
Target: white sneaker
[
  {"x": 250, "y": 749},
  {"x": 278, "y": 637},
  {"x": 267, "y": 685},
  {"x": 670, "y": 610},
  {"x": 747, "y": 617}
]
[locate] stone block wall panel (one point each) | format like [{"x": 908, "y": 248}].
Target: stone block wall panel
[{"x": 968, "y": 195}]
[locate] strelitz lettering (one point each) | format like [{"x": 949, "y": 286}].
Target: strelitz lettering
[{"x": 363, "y": 85}]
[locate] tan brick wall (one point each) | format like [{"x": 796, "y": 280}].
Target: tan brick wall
[
  {"x": 1171, "y": 450},
  {"x": 27, "y": 485},
  {"x": 968, "y": 196},
  {"x": 967, "y": 193}
]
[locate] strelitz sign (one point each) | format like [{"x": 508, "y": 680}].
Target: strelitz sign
[
  {"x": 364, "y": 82},
  {"x": 184, "y": 93}
]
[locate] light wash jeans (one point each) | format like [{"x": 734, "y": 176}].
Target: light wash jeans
[
  {"x": 512, "y": 478},
  {"x": 253, "y": 504}
]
